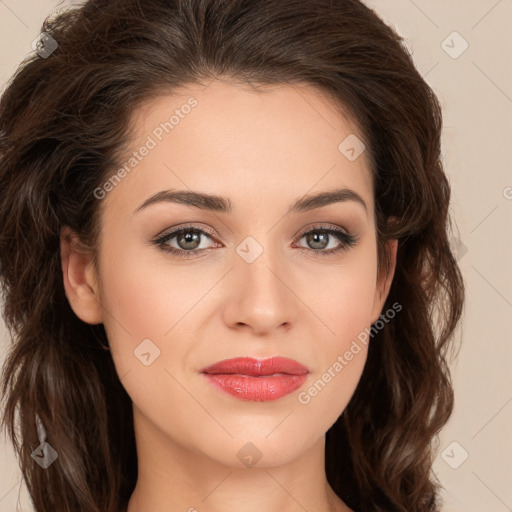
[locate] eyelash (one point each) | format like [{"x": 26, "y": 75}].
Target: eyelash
[{"x": 347, "y": 240}]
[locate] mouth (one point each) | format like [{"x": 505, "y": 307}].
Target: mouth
[{"x": 257, "y": 380}]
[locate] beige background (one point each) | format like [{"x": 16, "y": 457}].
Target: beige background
[{"x": 475, "y": 88}]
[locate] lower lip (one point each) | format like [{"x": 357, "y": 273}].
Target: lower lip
[{"x": 258, "y": 389}]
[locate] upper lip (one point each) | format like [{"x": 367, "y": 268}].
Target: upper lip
[{"x": 257, "y": 367}]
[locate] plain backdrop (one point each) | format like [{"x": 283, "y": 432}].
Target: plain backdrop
[{"x": 464, "y": 51}]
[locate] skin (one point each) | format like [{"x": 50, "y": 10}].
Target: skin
[{"x": 262, "y": 151}]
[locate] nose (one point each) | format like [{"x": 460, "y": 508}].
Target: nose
[{"x": 260, "y": 295}]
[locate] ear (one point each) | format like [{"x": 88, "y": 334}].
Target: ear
[
  {"x": 80, "y": 279},
  {"x": 384, "y": 281}
]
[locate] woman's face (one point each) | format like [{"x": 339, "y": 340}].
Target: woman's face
[{"x": 257, "y": 279}]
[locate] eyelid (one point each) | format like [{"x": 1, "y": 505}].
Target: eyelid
[
  {"x": 321, "y": 226},
  {"x": 179, "y": 227}
]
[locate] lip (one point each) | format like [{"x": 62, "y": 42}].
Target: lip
[{"x": 259, "y": 380}]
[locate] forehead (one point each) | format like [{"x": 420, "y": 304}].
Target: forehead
[{"x": 256, "y": 147}]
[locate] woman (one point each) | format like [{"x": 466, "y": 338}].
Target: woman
[{"x": 225, "y": 261}]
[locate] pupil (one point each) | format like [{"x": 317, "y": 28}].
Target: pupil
[
  {"x": 189, "y": 238},
  {"x": 316, "y": 237}
]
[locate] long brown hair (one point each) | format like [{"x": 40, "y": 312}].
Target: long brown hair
[{"x": 64, "y": 122}]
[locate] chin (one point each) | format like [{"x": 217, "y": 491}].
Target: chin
[{"x": 259, "y": 450}]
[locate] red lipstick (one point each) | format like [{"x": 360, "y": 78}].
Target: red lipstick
[{"x": 259, "y": 380}]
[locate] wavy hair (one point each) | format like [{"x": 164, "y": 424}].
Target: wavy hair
[{"x": 64, "y": 123}]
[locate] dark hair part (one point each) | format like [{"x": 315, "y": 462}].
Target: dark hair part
[{"x": 64, "y": 124}]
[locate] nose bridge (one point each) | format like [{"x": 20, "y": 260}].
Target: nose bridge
[
  {"x": 258, "y": 259},
  {"x": 260, "y": 296}
]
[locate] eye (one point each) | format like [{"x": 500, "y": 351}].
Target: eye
[
  {"x": 319, "y": 237},
  {"x": 188, "y": 239}
]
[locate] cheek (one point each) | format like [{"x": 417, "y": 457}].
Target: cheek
[
  {"x": 343, "y": 301},
  {"x": 147, "y": 306},
  {"x": 328, "y": 393},
  {"x": 341, "y": 350},
  {"x": 142, "y": 302},
  {"x": 341, "y": 296},
  {"x": 147, "y": 296}
]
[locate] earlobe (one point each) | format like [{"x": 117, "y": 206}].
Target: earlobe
[
  {"x": 79, "y": 278},
  {"x": 384, "y": 281}
]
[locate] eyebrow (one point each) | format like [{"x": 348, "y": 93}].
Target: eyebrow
[{"x": 224, "y": 205}]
